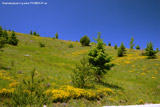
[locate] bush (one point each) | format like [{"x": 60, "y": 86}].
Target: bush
[
  {"x": 13, "y": 39},
  {"x": 70, "y": 45},
  {"x": 85, "y": 40},
  {"x": 31, "y": 92},
  {"x": 82, "y": 74},
  {"x": 99, "y": 60},
  {"x": 41, "y": 44},
  {"x": 121, "y": 50},
  {"x": 115, "y": 47},
  {"x": 149, "y": 51},
  {"x": 138, "y": 47},
  {"x": 31, "y": 32},
  {"x": 34, "y": 33}
]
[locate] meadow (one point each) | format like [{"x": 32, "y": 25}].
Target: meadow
[{"x": 133, "y": 80}]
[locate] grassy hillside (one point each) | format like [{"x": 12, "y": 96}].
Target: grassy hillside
[{"x": 134, "y": 78}]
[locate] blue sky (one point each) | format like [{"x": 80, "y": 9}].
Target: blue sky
[{"x": 117, "y": 20}]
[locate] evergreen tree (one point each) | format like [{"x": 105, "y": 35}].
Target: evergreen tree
[
  {"x": 138, "y": 47},
  {"x": 109, "y": 44},
  {"x": 115, "y": 47},
  {"x": 2, "y": 39},
  {"x": 99, "y": 60},
  {"x": 5, "y": 35},
  {"x": 34, "y": 33},
  {"x": 56, "y": 35},
  {"x": 121, "y": 50},
  {"x": 131, "y": 43},
  {"x": 85, "y": 40},
  {"x": 157, "y": 49},
  {"x": 38, "y": 34},
  {"x": 13, "y": 39},
  {"x": 149, "y": 51},
  {"x": 31, "y": 32}
]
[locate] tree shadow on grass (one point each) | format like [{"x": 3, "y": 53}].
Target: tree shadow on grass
[{"x": 110, "y": 85}]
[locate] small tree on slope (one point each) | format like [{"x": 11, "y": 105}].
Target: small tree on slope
[
  {"x": 99, "y": 61},
  {"x": 13, "y": 39},
  {"x": 149, "y": 51}
]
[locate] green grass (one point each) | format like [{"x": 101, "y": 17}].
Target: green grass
[{"x": 132, "y": 81}]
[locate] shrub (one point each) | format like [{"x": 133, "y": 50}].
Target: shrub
[
  {"x": 70, "y": 45},
  {"x": 115, "y": 47},
  {"x": 121, "y": 50},
  {"x": 31, "y": 92},
  {"x": 149, "y": 51},
  {"x": 109, "y": 44},
  {"x": 131, "y": 43},
  {"x": 85, "y": 40},
  {"x": 13, "y": 39},
  {"x": 54, "y": 38},
  {"x": 76, "y": 40},
  {"x": 82, "y": 74},
  {"x": 99, "y": 61},
  {"x": 41, "y": 44},
  {"x": 138, "y": 47}
]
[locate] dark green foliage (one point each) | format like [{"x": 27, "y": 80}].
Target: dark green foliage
[
  {"x": 54, "y": 38},
  {"x": 121, "y": 50},
  {"x": 56, "y": 35},
  {"x": 76, "y": 40},
  {"x": 31, "y": 92},
  {"x": 13, "y": 39},
  {"x": 131, "y": 43},
  {"x": 38, "y": 34},
  {"x": 115, "y": 47},
  {"x": 70, "y": 45},
  {"x": 2, "y": 39},
  {"x": 9, "y": 30},
  {"x": 41, "y": 44},
  {"x": 149, "y": 51},
  {"x": 138, "y": 47},
  {"x": 31, "y": 32},
  {"x": 99, "y": 61},
  {"x": 82, "y": 74},
  {"x": 157, "y": 49},
  {"x": 85, "y": 40},
  {"x": 6, "y": 37},
  {"x": 109, "y": 44},
  {"x": 34, "y": 33}
]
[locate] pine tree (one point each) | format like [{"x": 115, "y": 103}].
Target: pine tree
[
  {"x": 34, "y": 33},
  {"x": 38, "y": 34},
  {"x": 13, "y": 39},
  {"x": 115, "y": 47},
  {"x": 131, "y": 43},
  {"x": 31, "y": 32},
  {"x": 109, "y": 44},
  {"x": 121, "y": 50},
  {"x": 99, "y": 60},
  {"x": 5, "y": 35},
  {"x": 56, "y": 35},
  {"x": 2, "y": 39},
  {"x": 157, "y": 49},
  {"x": 138, "y": 47},
  {"x": 149, "y": 51}
]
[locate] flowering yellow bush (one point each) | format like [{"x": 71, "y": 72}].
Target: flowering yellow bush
[{"x": 67, "y": 92}]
